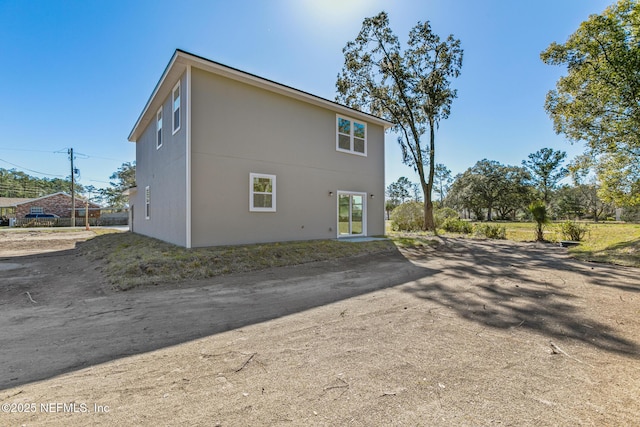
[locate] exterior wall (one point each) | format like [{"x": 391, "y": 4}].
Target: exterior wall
[
  {"x": 164, "y": 171},
  {"x": 239, "y": 129},
  {"x": 8, "y": 206},
  {"x": 57, "y": 204}
]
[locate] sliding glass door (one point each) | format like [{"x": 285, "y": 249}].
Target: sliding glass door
[{"x": 351, "y": 214}]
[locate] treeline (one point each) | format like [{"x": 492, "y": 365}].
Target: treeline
[
  {"x": 490, "y": 191},
  {"x": 17, "y": 184},
  {"x": 14, "y": 183}
]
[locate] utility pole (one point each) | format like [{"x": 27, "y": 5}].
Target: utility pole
[{"x": 73, "y": 190}]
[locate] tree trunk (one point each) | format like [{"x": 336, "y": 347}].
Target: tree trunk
[{"x": 429, "y": 222}]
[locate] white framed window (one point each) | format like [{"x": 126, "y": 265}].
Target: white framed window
[
  {"x": 175, "y": 96},
  {"x": 147, "y": 202},
  {"x": 159, "y": 128},
  {"x": 262, "y": 192},
  {"x": 36, "y": 210},
  {"x": 351, "y": 136}
]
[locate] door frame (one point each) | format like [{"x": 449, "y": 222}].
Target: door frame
[{"x": 364, "y": 213}]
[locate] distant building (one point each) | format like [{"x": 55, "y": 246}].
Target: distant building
[
  {"x": 8, "y": 206},
  {"x": 56, "y": 204}
]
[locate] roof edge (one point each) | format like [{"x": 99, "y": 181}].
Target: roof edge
[
  {"x": 153, "y": 93},
  {"x": 248, "y": 78},
  {"x": 51, "y": 195}
]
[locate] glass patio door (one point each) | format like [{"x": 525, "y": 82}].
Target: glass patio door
[{"x": 351, "y": 214}]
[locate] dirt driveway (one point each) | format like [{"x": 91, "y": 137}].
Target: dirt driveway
[{"x": 473, "y": 333}]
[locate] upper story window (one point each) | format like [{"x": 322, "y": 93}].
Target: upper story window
[
  {"x": 175, "y": 96},
  {"x": 262, "y": 192},
  {"x": 36, "y": 210},
  {"x": 351, "y": 136},
  {"x": 159, "y": 128}
]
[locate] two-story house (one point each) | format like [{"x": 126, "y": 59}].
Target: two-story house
[{"x": 227, "y": 157}]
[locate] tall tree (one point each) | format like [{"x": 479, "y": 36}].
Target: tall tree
[
  {"x": 598, "y": 101},
  {"x": 490, "y": 185},
  {"x": 14, "y": 183},
  {"x": 121, "y": 180},
  {"x": 569, "y": 203},
  {"x": 462, "y": 194},
  {"x": 399, "y": 191},
  {"x": 416, "y": 192},
  {"x": 410, "y": 88},
  {"x": 545, "y": 167},
  {"x": 443, "y": 180},
  {"x": 586, "y": 183},
  {"x": 516, "y": 192}
]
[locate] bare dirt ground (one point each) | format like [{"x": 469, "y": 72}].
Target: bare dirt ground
[
  {"x": 469, "y": 333},
  {"x": 35, "y": 241}
]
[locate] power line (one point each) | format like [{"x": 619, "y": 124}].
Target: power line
[
  {"x": 62, "y": 150},
  {"x": 30, "y": 170},
  {"x": 26, "y": 149}
]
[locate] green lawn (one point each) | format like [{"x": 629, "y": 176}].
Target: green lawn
[{"x": 609, "y": 242}]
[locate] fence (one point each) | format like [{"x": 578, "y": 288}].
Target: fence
[{"x": 66, "y": 222}]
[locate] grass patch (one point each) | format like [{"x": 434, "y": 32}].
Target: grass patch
[
  {"x": 99, "y": 231},
  {"x": 132, "y": 260},
  {"x": 607, "y": 242},
  {"x": 526, "y": 232},
  {"x": 611, "y": 243},
  {"x": 417, "y": 241}
]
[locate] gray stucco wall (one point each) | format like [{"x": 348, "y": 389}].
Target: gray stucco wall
[
  {"x": 164, "y": 171},
  {"x": 238, "y": 129}
]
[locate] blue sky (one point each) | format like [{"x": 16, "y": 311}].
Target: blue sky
[{"x": 78, "y": 73}]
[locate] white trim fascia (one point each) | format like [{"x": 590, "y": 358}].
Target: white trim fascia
[
  {"x": 145, "y": 110},
  {"x": 182, "y": 59},
  {"x": 187, "y": 103},
  {"x": 272, "y": 86}
]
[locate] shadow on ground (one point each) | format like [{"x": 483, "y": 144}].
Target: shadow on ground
[
  {"x": 624, "y": 253},
  {"x": 56, "y": 316},
  {"x": 504, "y": 285}
]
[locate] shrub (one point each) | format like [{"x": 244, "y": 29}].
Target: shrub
[
  {"x": 540, "y": 215},
  {"x": 440, "y": 215},
  {"x": 491, "y": 231},
  {"x": 456, "y": 225},
  {"x": 572, "y": 230},
  {"x": 408, "y": 217},
  {"x": 631, "y": 214}
]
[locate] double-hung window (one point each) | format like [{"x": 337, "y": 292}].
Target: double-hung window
[
  {"x": 262, "y": 192},
  {"x": 175, "y": 96},
  {"x": 159, "y": 128},
  {"x": 351, "y": 136},
  {"x": 36, "y": 210}
]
